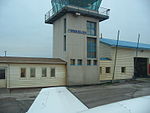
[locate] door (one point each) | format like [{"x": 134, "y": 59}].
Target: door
[{"x": 140, "y": 67}]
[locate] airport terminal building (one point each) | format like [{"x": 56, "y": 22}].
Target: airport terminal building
[{"x": 78, "y": 54}]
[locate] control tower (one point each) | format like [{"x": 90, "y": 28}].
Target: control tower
[{"x": 76, "y": 37}]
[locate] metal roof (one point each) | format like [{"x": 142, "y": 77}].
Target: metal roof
[
  {"x": 104, "y": 58},
  {"x": 124, "y": 44},
  {"x": 31, "y": 60}
]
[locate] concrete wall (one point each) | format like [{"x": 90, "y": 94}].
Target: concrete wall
[
  {"x": 125, "y": 58},
  {"x": 76, "y": 49},
  {"x": 15, "y": 81}
]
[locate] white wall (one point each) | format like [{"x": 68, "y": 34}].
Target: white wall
[{"x": 125, "y": 58}]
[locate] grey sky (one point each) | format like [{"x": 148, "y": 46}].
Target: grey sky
[{"x": 24, "y": 33}]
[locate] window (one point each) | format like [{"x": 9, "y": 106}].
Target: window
[
  {"x": 88, "y": 62},
  {"x": 91, "y": 47},
  {"x": 65, "y": 25},
  {"x": 23, "y": 72},
  {"x": 72, "y": 62},
  {"x": 107, "y": 69},
  {"x": 94, "y": 62},
  {"x": 65, "y": 43},
  {"x": 123, "y": 69},
  {"x": 53, "y": 72},
  {"x": 2, "y": 73},
  {"x": 91, "y": 28},
  {"x": 32, "y": 72},
  {"x": 100, "y": 70},
  {"x": 79, "y": 62},
  {"x": 44, "y": 72}
]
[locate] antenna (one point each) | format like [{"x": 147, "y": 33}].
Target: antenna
[{"x": 5, "y": 53}]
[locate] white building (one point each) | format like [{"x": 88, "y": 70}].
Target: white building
[
  {"x": 130, "y": 62},
  {"x": 20, "y": 72}
]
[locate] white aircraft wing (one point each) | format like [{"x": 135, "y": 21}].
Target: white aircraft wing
[
  {"x": 60, "y": 100},
  {"x": 56, "y": 100},
  {"x": 137, "y": 105}
]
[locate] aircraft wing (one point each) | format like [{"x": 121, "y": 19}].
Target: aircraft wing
[
  {"x": 61, "y": 100},
  {"x": 56, "y": 100},
  {"x": 136, "y": 105}
]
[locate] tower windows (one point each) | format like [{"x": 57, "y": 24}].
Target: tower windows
[
  {"x": 65, "y": 25},
  {"x": 94, "y": 62},
  {"x": 72, "y": 62},
  {"x": 91, "y": 47},
  {"x": 79, "y": 62},
  {"x": 88, "y": 62},
  {"x": 64, "y": 42},
  {"x": 91, "y": 28}
]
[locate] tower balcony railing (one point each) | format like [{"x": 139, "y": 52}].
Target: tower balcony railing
[{"x": 102, "y": 11}]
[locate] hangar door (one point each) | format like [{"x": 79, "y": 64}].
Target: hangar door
[{"x": 140, "y": 67}]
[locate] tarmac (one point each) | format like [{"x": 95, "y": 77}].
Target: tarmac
[{"x": 19, "y": 100}]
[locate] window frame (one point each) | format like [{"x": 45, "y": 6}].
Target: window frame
[
  {"x": 4, "y": 72},
  {"x": 65, "y": 43},
  {"x": 123, "y": 70},
  {"x": 51, "y": 75},
  {"x": 89, "y": 62},
  {"x": 95, "y": 62},
  {"x": 91, "y": 47},
  {"x": 44, "y": 72},
  {"x": 22, "y": 72},
  {"x": 72, "y": 62},
  {"x": 79, "y": 62},
  {"x": 108, "y": 70},
  {"x": 91, "y": 27},
  {"x": 32, "y": 73}
]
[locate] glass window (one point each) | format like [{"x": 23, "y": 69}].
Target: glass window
[
  {"x": 107, "y": 69},
  {"x": 23, "y": 72},
  {"x": 79, "y": 61},
  {"x": 44, "y": 72},
  {"x": 53, "y": 72},
  {"x": 72, "y": 62},
  {"x": 123, "y": 69},
  {"x": 65, "y": 25},
  {"x": 88, "y": 62},
  {"x": 94, "y": 62},
  {"x": 32, "y": 72},
  {"x": 91, "y": 47},
  {"x": 2, "y": 73},
  {"x": 91, "y": 28},
  {"x": 65, "y": 43}
]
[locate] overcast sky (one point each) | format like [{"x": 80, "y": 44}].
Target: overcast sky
[{"x": 24, "y": 33}]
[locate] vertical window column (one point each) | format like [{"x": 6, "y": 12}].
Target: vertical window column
[
  {"x": 64, "y": 42},
  {"x": 91, "y": 28},
  {"x": 91, "y": 47}
]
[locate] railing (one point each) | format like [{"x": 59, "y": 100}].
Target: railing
[{"x": 102, "y": 11}]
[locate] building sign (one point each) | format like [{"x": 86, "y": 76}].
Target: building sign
[{"x": 77, "y": 31}]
